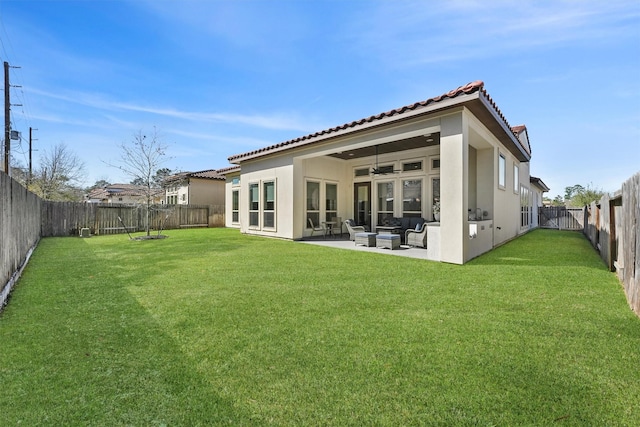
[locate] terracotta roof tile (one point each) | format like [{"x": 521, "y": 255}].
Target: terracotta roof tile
[
  {"x": 208, "y": 174},
  {"x": 466, "y": 89},
  {"x": 469, "y": 88},
  {"x": 228, "y": 170},
  {"x": 519, "y": 129}
]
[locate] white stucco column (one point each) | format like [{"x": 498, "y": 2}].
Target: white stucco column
[{"x": 454, "y": 182}]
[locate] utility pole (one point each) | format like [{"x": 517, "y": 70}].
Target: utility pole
[
  {"x": 30, "y": 161},
  {"x": 7, "y": 119}
]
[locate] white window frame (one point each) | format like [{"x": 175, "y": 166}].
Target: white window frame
[
  {"x": 265, "y": 205},
  {"x": 516, "y": 178},
  {"x": 312, "y": 210},
  {"x": 331, "y": 211},
  {"x": 385, "y": 212},
  {"x": 421, "y": 196},
  {"x": 235, "y": 206},
  {"x": 502, "y": 171},
  {"x": 525, "y": 208},
  {"x": 432, "y": 159},
  {"x": 256, "y": 211}
]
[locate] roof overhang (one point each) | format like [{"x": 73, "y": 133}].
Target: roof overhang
[
  {"x": 538, "y": 183},
  {"x": 472, "y": 96}
]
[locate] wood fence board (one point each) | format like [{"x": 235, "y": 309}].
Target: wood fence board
[{"x": 561, "y": 218}]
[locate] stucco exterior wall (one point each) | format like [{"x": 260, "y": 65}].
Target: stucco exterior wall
[
  {"x": 206, "y": 192},
  {"x": 507, "y": 200},
  {"x": 280, "y": 170},
  {"x": 454, "y": 170},
  {"x": 468, "y": 171}
]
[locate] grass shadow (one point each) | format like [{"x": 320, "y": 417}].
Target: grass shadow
[{"x": 79, "y": 348}]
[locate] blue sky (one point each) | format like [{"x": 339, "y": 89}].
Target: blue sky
[{"x": 218, "y": 78}]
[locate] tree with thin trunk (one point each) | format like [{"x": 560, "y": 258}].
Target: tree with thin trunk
[
  {"x": 59, "y": 175},
  {"x": 139, "y": 160}
]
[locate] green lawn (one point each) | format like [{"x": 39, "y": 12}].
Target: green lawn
[{"x": 212, "y": 327}]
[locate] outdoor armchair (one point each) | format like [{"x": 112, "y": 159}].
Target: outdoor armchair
[
  {"x": 353, "y": 229},
  {"x": 417, "y": 236}
]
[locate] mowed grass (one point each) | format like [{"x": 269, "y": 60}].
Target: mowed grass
[{"x": 211, "y": 327}]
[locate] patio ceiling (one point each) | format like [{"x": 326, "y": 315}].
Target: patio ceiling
[{"x": 427, "y": 140}]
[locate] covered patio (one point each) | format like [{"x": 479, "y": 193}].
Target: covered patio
[
  {"x": 343, "y": 242},
  {"x": 451, "y": 160}
]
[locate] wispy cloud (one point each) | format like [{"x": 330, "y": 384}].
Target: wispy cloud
[
  {"x": 272, "y": 121},
  {"x": 423, "y": 33}
]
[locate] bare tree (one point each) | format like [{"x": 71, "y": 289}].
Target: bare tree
[
  {"x": 139, "y": 160},
  {"x": 59, "y": 175}
]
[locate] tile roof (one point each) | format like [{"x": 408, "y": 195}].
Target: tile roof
[
  {"x": 519, "y": 129},
  {"x": 468, "y": 89},
  {"x": 208, "y": 174},
  {"x": 205, "y": 174},
  {"x": 228, "y": 170},
  {"x": 121, "y": 190}
]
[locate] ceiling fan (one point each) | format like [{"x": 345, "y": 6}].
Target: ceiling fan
[{"x": 382, "y": 170}]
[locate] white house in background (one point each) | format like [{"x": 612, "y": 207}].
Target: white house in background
[
  {"x": 123, "y": 193},
  {"x": 197, "y": 188},
  {"x": 538, "y": 188},
  {"x": 456, "y": 149}
]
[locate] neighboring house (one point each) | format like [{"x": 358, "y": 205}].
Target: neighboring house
[
  {"x": 124, "y": 193},
  {"x": 196, "y": 188},
  {"x": 538, "y": 188},
  {"x": 456, "y": 151}
]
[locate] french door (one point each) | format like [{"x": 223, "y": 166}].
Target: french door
[{"x": 362, "y": 203}]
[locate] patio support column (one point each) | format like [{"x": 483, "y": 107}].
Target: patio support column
[{"x": 454, "y": 188}]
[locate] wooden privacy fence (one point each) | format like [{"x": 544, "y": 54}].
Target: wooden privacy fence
[
  {"x": 68, "y": 218},
  {"x": 19, "y": 231},
  {"x": 25, "y": 218},
  {"x": 613, "y": 228},
  {"x": 561, "y": 218}
]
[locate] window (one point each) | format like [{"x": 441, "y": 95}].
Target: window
[
  {"x": 361, "y": 172},
  {"x": 331, "y": 208},
  {"x": 385, "y": 169},
  {"x": 435, "y": 163},
  {"x": 412, "y": 198},
  {"x": 385, "y": 201},
  {"x": 235, "y": 180},
  {"x": 235, "y": 206},
  {"x": 412, "y": 166},
  {"x": 516, "y": 179},
  {"x": 502, "y": 171},
  {"x": 269, "y": 207},
  {"x": 313, "y": 202},
  {"x": 254, "y": 205},
  {"x": 525, "y": 208},
  {"x": 435, "y": 198}
]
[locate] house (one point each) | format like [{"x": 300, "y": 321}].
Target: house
[
  {"x": 456, "y": 151},
  {"x": 537, "y": 190},
  {"x": 197, "y": 188},
  {"x": 124, "y": 193}
]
